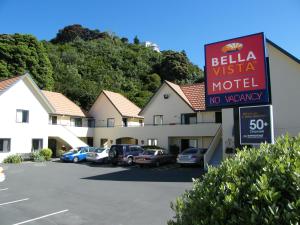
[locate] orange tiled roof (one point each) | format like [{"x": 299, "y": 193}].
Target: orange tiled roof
[
  {"x": 6, "y": 83},
  {"x": 195, "y": 93},
  {"x": 63, "y": 105},
  {"x": 192, "y": 94},
  {"x": 123, "y": 105}
]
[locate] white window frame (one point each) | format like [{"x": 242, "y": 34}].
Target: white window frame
[
  {"x": 158, "y": 120},
  {"x": 20, "y": 116},
  {"x": 8, "y": 144},
  {"x": 41, "y": 142},
  {"x": 110, "y": 122},
  {"x": 152, "y": 142}
]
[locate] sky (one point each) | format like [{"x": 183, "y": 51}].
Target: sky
[{"x": 172, "y": 24}]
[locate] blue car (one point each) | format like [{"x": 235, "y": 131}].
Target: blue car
[{"x": 76, "y": 155}]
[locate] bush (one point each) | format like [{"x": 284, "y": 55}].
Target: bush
[
  {"x": 257, "y": 186},
  {"x": 46, "y": 153},
  {"x": 13, "y": 159},
  {"x": 37, "y": 157}
]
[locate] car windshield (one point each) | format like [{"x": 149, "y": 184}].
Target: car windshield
[
  {"x": 99, "y": 150},
  {"x": 190, "y": 151},
  {"x": 73, "y": 151},
  {"x": 148, "y": 152}
]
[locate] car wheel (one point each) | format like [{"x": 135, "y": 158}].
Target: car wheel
[
  {"x": 75, "y": 160},
  {"x": 130, "y": 161},
  {"x": 157, "y": 164}
]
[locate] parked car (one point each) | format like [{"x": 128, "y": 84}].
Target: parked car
[
  {"x": 155, "y": 157},
  {"x": 192, "y": 156},
  {"x": 2, "y": 175},
  {"x": 124, "y": 153},
  {"x": 77, "y": 154},
  {"x": 98, "y": 155}
]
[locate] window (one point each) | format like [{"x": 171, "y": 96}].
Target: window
[
  {"x": 4, "y": 145},
  {"x": 91, "y": 123},
  {"x": 152, "y": 142},
  {"x": 53, "y": 120},
  {"x": 22, "y": 116},
  {"x": 158, "y": 120},
  {"x": 193, "y": 143},
  {"x": 218, "y": 117},
  {"x": 110, "y": 122},
  {"x": 37, "y": 144},
  {"x": 78, "y": 122},
  {"x": 141, "y": 123},
  {"x": 189, "y": 118},
  {"x": 125, "y": 122}
]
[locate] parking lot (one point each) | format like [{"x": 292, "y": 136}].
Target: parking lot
[{"x": 67, "y": 193}]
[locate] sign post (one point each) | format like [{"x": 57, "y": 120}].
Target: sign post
[{"x": 256, "y": 124}]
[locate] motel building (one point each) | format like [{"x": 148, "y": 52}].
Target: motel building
[{"x": 176, "y": 117}]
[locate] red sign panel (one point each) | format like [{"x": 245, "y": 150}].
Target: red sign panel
[{"x": 236, "y": 72}]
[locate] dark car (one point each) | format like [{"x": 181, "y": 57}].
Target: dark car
[
  {"x": 123, "y": 153},
  {"x": 155, "y": 157}
]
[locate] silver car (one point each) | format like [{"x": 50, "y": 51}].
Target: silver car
[
  {"x": 192, "y": 156},
  {"x": 98, "y": 155}
]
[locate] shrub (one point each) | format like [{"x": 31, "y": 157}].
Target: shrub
[
  {"x": 37, "y": 157},
  {"x": 13, "y": 159},
  {"x": 257, "y": 186},
  {"x": 46, "y": 153}
]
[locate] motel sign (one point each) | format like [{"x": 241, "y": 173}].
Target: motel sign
[{"x": 236, "y": 72}]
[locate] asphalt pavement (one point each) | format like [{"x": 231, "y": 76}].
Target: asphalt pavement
[{"x": 78, "y": 194}]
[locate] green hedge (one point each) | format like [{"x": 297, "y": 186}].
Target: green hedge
[
  {"x": 46, "y": 153},
  {"x": 13, "y": 159},
  {"x": 257, "y": 186}
]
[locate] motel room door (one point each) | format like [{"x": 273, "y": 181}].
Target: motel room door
[{"x": 184, "y": 144}]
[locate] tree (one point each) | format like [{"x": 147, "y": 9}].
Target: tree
[
  {"x": 257, "y": 186},
  {"x": 24, "y": 53},
  {"x": 175, "y": 66},
  {"x": 70, "y": 33},
  {"x": 136, "y": 40}
]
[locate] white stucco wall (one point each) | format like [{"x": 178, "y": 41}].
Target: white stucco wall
[
  {"x": 20, "y": 96},
  {"x": 102, "y": 110},
  {"x": 170, "y": 108},
  {"x": 161, "y": 133},
  {"x": 227, "y": 129},
  {"x": 285, "y": 80}
]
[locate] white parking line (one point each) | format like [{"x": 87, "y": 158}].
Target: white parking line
[
  {"x": 3, "y": 189},
  {"x": 41, "y": 217},
  {"x": 20, "y": 200}
]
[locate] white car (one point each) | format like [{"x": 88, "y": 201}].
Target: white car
[
  {"x": 98, "y": 155},
  {"x": 2, "y": 175}
]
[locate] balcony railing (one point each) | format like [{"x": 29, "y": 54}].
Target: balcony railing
[
  {"x": 156, "y": 125},
  {"x": 132, "y": 125}
]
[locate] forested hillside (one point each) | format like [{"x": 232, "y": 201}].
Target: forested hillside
[{"x": 80, "y": 62}]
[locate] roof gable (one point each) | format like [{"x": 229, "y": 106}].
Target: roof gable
[
  {"x": 283, "y": 51},
  {"x": 192, "y": 94},
  {"x": 124, "y": 106},
  {"x": 6, "y": 84},
  {"x": 63, "y": 105}
]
